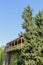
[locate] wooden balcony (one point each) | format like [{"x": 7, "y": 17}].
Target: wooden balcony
[{"x": 11, "y": 46}]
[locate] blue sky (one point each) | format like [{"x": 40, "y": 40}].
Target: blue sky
[{"x": 11, "y": 17}]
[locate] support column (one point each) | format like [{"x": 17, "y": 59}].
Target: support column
[
  {"x": 21, "y": 42},
  {"x": 14, "y": 43},
  {"x": 17, "y": 41}
]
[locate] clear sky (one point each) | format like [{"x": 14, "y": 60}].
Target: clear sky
[{"x": 11, "y": 17}]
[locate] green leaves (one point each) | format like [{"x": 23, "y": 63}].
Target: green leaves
[
  {"x": 1, "y": 56},
  {"x": 27, "y": 16},
  {"x": 32, "y": 52}
]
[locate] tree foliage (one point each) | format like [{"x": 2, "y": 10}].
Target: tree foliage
[
  {"x": 1, "y": 56},
  {"x": 32, "y": 52}
]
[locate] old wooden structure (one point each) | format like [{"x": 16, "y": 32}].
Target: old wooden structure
[{"x": 8, "y": 51}]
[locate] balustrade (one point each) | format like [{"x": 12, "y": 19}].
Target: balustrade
[{"x": 13, "y": 43}]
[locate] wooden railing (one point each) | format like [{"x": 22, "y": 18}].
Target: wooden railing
[{"x": 14, "y": 43}]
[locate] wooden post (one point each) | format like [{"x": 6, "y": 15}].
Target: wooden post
[
  {"x": 21, "y": 42},
  {"x": 17, "y": 41},
  {"x": 14, "y": 43}
]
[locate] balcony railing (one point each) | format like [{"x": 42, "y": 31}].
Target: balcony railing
[{"x": 14, "y": 44}]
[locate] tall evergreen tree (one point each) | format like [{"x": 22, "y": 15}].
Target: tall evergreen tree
[{"x": 32, "y": 52}]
